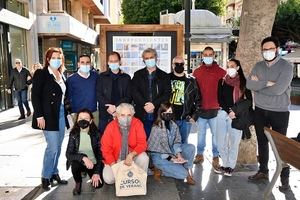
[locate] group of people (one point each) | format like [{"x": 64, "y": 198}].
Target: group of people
[{"x": 147, "y": 119}]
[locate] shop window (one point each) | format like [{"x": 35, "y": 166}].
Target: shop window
[{"x": 17, "y": 7}]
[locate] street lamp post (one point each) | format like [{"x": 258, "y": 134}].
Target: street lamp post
[{"x": 187, "y": 34}]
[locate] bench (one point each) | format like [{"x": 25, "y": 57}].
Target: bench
[{"x": 285, "y": 150}]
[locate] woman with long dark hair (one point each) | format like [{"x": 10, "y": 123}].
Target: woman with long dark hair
[
  {"x": 83, "y": 151},
  {"x": 231, "y": 90}
]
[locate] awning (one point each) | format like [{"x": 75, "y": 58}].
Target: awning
[{"x": 14, "y": 19}]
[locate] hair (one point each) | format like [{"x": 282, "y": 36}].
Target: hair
[
  {"x": 125, "y": 105},
  {"x": 270, "y": 39},
  {"x": 48, "y": 56},
  {"x": 18, "y": 60},
  {"x": 84, "y": 55},
  {"x": 114, "y": 53},
  {"x": 241, "y": 74},
  {"x": 208, "y": 48},
  {"x": 177, "y": 57},
  {"x": 93, "y": 128},
  {"x": 150, "y": 50},
  {"x": 162, "y": 108}
]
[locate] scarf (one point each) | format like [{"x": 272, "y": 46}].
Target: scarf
[
  {"x": 235, "y": 83},
  {"x": 124, "y": 149}
]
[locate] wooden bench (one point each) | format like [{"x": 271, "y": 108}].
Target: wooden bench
[{"x": 285, "y": 150}]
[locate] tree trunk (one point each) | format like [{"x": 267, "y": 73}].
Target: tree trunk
[{"x": 257, "y": 20}]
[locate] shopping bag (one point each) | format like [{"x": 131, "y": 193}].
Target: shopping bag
[{"x": 129, "y": 180}]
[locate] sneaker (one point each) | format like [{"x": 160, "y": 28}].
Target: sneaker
[
  {"x": 21, "y": 117},
  {"x": 156, "y": 174},
  {"x": 190, "y": 180},
  {"x": 228, "y": 171},
  {"x": 198, "y": 159},
  {"x": 28, "y": 113},
  {"x": 219, "y": 170},
  {"x": 215, "y": 162},
  {"x": 258, "y": 176}
]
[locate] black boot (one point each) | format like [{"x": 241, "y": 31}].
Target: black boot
[
  {"x": 58, "y": 180},
  {"x": 77, "y": 189},
  {"x": 45, "y": 184},
  {"x": 284, "y": 184}
]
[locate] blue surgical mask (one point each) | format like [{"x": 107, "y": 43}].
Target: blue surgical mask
[
  {"x": 114, "y": 66},
  {"x": 85, "y": 68},
  {"x": 55, "y": 63},
  {"x": 208, "y": 60},
  {"x": 150, "y": 63}
]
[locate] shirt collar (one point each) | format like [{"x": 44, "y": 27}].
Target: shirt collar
[
  {"x": 274, "y": 62},
  {"x": 52, "y": 73},
  {"x": 82, "y": 75}
]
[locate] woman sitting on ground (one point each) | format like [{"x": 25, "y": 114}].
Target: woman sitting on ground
[
  {"x": 170, "y": 157},
  {"x": 83, "y": 151}
]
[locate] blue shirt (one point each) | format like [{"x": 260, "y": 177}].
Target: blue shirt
[{"x": 82, "y": 92}]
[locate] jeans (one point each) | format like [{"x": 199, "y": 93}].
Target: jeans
[
  {"x": 148, "y": 122},
  {"x": 54, "y": 141},
  {"x": 201, "y": 137},
  {"x": 279, "y": 122},
  {"x": 22, "y": 99},
  {"x": 228, "y": 140},
  {"x": 175, "y": 170},
  {"x": 184, "y": 129}
]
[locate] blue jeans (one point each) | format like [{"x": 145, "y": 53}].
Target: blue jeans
[
  {"x": 148, "y": 122},
  {"x": 54, "y": 141},
  {"x": 228, "y": 140},
  {"x": 22, "y": 99},
  {"x": 201, "y": 137},
  {"x": 184, "y": 129},
  {"x": 175, "y": 170}
]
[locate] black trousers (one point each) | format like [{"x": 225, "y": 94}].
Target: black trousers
[
  {"x": 278, "y": 121},
  {"x": 78, "y": 167}
]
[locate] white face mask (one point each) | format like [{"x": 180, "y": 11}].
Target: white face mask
[
  {"x": 269, "y": 55},
  {"x": 232, "y": 72}
]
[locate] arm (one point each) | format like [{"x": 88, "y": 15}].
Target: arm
[
  {"x": 99, "y": 164},
  {"x": 37, "y": 92},
  {"x": 177, "y": 140},
  {"x": 11, "y": 80},
  {"x": 71, "y": 153},
  {"x": 140, "y": 138},
  {"x": 253, "y": 84},
  {"x": 107, "y": 146},
  {"x": 164, "y": 96},
  {"x": 197, "y": 100},
  {"x": 136, "y": 94},
  {"x": 102, "y": 100}
]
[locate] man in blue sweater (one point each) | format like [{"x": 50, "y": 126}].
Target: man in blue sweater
[{"x": 81, "y": 88}]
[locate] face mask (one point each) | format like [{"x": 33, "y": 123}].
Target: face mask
[
  {"x": 231, "y": 72},
  {"x": 150, "y": 63},
  {"x": 83, "y": 123},
  {"x": 208, "y": 60},
  {"x": 269, "y": 55},
  {"x": 124, "y": 121},
  {"x": 167, "y": 116},
  {"x": 179, "y": 68},
  {"x": 85, "y": 68},
  {"x": 113, "y": 66},
  {"x": 55, "y": 63}
]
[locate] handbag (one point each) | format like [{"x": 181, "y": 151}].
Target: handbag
[
  {"x": 244, "y": 114},
  {"x": 129, "y": 180}
]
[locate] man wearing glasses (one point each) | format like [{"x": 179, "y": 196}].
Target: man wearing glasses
[
  {"x": 270, "y": 81},
  {"x": 20, "y": 77}
]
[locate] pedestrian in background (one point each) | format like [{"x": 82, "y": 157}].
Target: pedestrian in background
[
  {"x": 48, "y": 94},
  {"x": 20, "y": 78}
]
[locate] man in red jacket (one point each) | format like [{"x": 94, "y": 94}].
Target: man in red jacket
[
  {"x": 124, "y": 139},
  {"x": 207, "y": 77}
]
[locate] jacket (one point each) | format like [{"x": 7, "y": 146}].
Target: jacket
[
  {"x": 72, "y": 153},
  {"x": 111, "y": 141},
  {"x": 104, "y": 90},
  {"x": 192, "y": 99},
  {"x": 46, "y": 96},
  {"x": 19, "y": 79},
  {"x": 161, "y": 90}
]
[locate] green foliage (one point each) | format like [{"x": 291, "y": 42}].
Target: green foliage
[{"x": 147, "y": 11}]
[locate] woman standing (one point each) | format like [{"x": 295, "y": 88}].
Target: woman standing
[
  {"x": 48, "y": 92},
  {"x": 231, "y": 89},
  {"x": 170, "y": 157},
  {"x": 83, "y": 151}
]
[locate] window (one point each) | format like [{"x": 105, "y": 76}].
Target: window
[{"x": 67, "y": 6}]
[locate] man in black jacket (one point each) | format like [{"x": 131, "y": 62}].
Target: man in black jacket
[
  {"x": 150, "y": 87},
  {"x": 20, "y": 77},
  {"x": 185, "y": 98}
]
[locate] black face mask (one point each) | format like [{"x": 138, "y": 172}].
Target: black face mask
[
  {"x": 83, "y": 123},
  {"x": 167, "y": 116},
  {"x": 179, "y": 68}
]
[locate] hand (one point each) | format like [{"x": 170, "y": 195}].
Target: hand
[
  {"x": 129, "y": 159},
  {"x": 88, "y": 163},
  {"x": 8, "y": 91},
  {"x": 111, "y": 108},
  {"x": 191, "y": 120},
  {"x": 180, "y": 158},
  {"x": 270, "y": 83},
  {"x": 95, "y": 180},
  {"x": 149, "y": 107},
  {"x": 254, "y": 78},
  {"x": 28, "y": 78},
  {"x": 231, "y": 115},
  {"x": 41, "y": 123}
]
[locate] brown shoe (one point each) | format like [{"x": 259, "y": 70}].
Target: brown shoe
[
  {"x": 215, "y": 163},
  {"x": 77, "y": 189},
  {"x": 190, "y": 180},
  {"x": 258, "y": 176},
  {"x": 156, "y": 174},
  {"x": 198, "y": 159}
]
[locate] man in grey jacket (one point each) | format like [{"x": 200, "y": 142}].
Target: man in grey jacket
[{"x": 270, "y": 81}]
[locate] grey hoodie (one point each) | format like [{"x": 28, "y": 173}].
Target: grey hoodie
[{"x": 276, "y": 97}]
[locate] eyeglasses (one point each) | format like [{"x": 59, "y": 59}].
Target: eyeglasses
[
  {"x": 273, "y": 48},
  {"x": 17, "y": 62}
]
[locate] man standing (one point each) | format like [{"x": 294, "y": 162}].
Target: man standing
[
  {"x": 208, "y": 76},
  {"x": 185, "y": 98},
  {"x": 270, "y": 80},
  {"x": 20, "y": 77},
  {"x": 81, "y": 88},
  {"x": 150, "y": 87}
]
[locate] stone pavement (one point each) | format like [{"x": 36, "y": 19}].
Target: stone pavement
[{"x": 22, "y": 149}]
